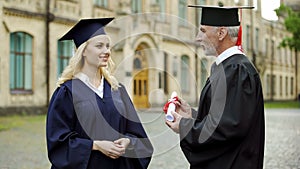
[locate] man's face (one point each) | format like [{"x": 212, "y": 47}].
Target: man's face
[{"x": 208, "y": 39}]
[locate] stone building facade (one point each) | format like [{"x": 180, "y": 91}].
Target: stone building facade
[{"x": 153, "y": 47}]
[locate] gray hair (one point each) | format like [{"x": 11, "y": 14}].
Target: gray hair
[{"x": 233, "y": 32}]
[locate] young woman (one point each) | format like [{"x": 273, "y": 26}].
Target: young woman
[{"x": 91, "y": 121}]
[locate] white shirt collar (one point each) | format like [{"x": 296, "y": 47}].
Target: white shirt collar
[
  {"x": 85, "y": 79},
  {"x": 227, "y": 53}
]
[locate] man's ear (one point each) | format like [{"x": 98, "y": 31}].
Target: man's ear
[{"x": 222, "y": 33}]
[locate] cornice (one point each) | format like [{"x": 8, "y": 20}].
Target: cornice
[{"x": 23, "y": 13}]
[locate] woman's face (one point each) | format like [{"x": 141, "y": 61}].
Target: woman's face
[{"x": 97, "y": 51}]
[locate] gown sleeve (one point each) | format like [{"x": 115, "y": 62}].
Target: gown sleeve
[
  {"x": 140, "y": 146},
  {"x": 233, "y": 103},
  {"x": 65, "y": 148}
]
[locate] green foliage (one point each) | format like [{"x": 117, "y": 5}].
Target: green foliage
[{"x": 292, "y": 24}]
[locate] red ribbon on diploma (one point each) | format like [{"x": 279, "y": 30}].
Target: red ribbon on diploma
[{"x": 166, "y": 106}]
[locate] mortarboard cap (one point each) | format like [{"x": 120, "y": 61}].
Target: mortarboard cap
[
  {"x": 86, "y": 29},
  {"x": 220, "y": 16}
]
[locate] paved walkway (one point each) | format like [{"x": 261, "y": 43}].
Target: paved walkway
[{"x": 24, "y": 147}]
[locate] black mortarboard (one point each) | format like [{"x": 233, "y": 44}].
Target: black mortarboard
[
  {"x": 86, "y": 29},
  {"x": 220, "y": 16}
]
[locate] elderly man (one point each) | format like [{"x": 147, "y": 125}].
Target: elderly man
[{"x": 228, "y": 130}]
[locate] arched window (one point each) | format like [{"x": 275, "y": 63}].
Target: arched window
[
  {"x": 185, "y": 76},
  {"x": 20, "y": 62},
  {"x": 137, "y": 63}
]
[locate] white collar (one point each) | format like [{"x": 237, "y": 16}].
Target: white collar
[
  {"x": 227, "y": 53},
  {"x": 86, "y": 80}
]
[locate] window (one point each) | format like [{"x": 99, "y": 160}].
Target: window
[
  {"x": 273, "y": 90},
  {"x": 136, "y": 6},
  {"x": 182, "y": 11},
  {"x": 165, "y": 72},
  {"x": 272, "y": 51},
  {"x": 267, "y": 47},
  {"x": 268, "y": 84},
  {"x": 248, "y": 37},
  {"x": 292, "y": 85},
  {"x": 102, "y": 3},
  {"x": 185, "y": 84},
  {"x": 162, "y": 8},
  {"x": 278, "y": 55},
  {"x": 175, "y": 67},
  {"x": 64, "y": 53},
  {"x": 137, "y": 64},
  {"x": 159, "y": 80},
  {"x": 280, "y": 85},
  {"x": 20, "y": 62},
  {"x": 286, "y": 86},
  {"x": 256, "y": 39}
]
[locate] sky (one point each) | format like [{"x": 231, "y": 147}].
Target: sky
[{"x": 268, "y": 7}]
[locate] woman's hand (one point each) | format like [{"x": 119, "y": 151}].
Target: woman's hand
[
  {"x": 109, "y": 148},
  {"x": 123, "y": 142}
]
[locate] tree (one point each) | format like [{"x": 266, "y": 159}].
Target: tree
[{"x": 292, "y": 24}]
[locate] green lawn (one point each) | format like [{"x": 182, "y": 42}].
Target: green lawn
[
  {"x": 8, "y": 122},
  {"x": 285, "y": 104}
]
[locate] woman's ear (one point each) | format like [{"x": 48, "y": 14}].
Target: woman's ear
[{"x": 83, "y": 52}]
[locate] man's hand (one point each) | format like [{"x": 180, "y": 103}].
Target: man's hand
[
  {"x": 175, "y": 124},
  {"x": 183, "y": 108}
]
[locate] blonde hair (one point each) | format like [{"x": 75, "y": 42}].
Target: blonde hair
[{"x": 76, "y": 63}]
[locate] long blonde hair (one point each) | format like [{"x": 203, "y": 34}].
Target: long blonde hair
[{"x": 76, "y": 63}]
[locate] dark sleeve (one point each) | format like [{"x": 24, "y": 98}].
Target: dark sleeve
[
  {"x": 194, "y": 113},
  {"x": 233, "y": 103},
  {"x": 65, "y": 148},
  {"x": 141, "y": 147}
]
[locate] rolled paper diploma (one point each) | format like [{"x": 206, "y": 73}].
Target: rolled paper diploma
[
  {"x": 172, "y": 107},
  {"x": 169, "y": 115}
]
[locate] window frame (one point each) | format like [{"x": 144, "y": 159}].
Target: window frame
[{"x": 21, "y": 63}]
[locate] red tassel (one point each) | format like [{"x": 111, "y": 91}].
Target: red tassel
[
  {"x": 240, "y": 35},
  {"x": 239, "y": 39}
]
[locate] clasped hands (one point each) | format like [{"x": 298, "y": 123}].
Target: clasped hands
[
  {"x": 183, "y": 110},
  {"x": 112, "y": 149}
]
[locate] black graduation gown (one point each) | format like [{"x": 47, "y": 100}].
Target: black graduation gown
[
  {"x": 77, "y": 116},
  {"x": 228, "y": 130}
]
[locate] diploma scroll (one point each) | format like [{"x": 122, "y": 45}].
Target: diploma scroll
[{"x": 170, "y": 106}]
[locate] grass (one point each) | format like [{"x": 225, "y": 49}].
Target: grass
[
  {"x": 283, "y": 104},
  {"x": 8, "y": 122}
]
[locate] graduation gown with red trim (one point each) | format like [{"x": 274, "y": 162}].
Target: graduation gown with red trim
[
  {"x": 77, "y": 116},
  {"x": 228, "y": 130}
]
